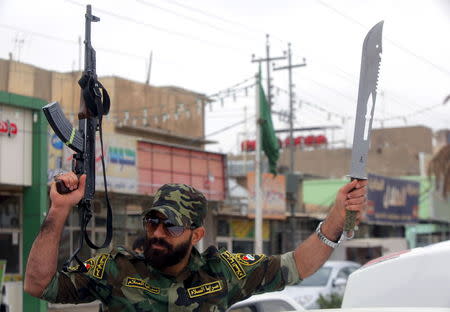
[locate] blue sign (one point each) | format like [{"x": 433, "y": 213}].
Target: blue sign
[
  {"x": 56, "y": 142},
  {"x": 391, "y": 200},
  {"x": 122, "y": 156}
]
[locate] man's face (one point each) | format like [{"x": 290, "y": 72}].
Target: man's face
[{"x": 162, "y": 250}]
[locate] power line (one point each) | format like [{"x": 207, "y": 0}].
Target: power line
[
  {"x": 158, "y": 28},
  {"x": 400, "y": 47},
  {"x": 189, "y": 18},
  {"x": 72, "y": 42},
  {"x": 217, "y": 17},
  {"x": 229, "y": 127}
]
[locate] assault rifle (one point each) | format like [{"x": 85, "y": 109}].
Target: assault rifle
[{"x": 94, "y": 103}]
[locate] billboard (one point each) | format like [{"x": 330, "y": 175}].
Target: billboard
[
  {"x": 394, "y": 201},
  {"x": 273, "y": 195},
  {"x": 120, "y": 161}
]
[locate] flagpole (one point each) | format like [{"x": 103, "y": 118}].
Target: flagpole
[{"x": 258, "y": 193}]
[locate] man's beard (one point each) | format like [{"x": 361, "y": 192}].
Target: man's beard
[{"x": 163, "y": 258}]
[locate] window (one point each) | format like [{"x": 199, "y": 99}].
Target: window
[
  {"x": 276, "y": 306},
  {"x": 223, "y": 228},
  {"x": 248, "y": 308},
  {"x": 345, "y": 272},
  {"x": 10, "y": 236},
  {"x": 320, "y": 278}
]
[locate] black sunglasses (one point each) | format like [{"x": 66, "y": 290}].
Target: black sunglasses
[{"x": 170, "y": 228}]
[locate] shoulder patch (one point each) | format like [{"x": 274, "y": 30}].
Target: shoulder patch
[
  {"x": 249, "y": 259},
  {"x": 141, "y": 284},
  {"x": 205, "y": 289},
  {"x": 233, "y": 264},
  {"x": 100, "y": 265},
  {"x": 89, "y": 264}
]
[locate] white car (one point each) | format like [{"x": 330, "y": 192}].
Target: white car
[
  {"x": 331, "y": 278},
  {"x": 267, "y": 302},
  {"x": 418, "y": 277}
]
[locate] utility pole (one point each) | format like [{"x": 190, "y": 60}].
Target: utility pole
[
  {"x": 289, "y": 67},
  {"x": 291, "y": 105},
  {"x": 267, "y": 60},
  {"x": 258, "y": 180},
  {"x": 149, "y": 69}
]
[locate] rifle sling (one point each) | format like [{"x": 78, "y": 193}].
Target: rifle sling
[{"x": 93, "y": 98}]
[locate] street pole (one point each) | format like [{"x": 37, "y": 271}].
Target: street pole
[
  {"x": 289, "y": 67},
  {"x": 267, "y": 60},
  {"x": 258, "y": 193}
]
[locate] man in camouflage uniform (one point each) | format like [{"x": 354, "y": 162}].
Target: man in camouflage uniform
[{"x": 172, "y": 275}]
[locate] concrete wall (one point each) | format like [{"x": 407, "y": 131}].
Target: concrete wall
[
  {"x": 393, "y": 152},
  {"x": 171, "y": 109}
]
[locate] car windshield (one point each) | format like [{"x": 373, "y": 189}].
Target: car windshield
[{"x": 320, "y": 278}]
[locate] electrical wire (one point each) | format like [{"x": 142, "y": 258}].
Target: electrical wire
[{"x": 400, "y": 47}]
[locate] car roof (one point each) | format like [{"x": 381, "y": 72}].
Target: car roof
[{"x": 275, "y": 295}]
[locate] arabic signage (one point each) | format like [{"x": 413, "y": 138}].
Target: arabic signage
[
  {"x": 8, "y": 128},
  {"x": 16, "y": 142},
  {"x": 390, "y": 200}
]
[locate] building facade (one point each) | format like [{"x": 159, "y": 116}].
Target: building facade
[{"x": 152, "y": 136}]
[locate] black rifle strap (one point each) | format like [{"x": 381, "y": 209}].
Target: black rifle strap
[
  {"x": 83, "y": 209},
  {"x": 98, "y": 104},
  {"x": 109, "y": 229}
]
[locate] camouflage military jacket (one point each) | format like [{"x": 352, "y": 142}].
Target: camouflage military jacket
[{"x": 212, "y": 281}]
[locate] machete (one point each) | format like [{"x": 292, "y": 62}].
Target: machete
[{"x": 367, "y": 94}]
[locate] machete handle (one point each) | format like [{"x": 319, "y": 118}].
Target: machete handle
[{"x": 350, "y": 219}]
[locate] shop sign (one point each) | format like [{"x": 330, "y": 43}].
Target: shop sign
[
  {"x": 122, "y": 156},
  {"x": 8, "y": 128},
  {"x": 390, "y": 200}
]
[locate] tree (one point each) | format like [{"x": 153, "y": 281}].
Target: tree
[{"x": 439, "y": 166}]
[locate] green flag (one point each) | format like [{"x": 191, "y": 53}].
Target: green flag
[{"x": 269, "y": 140}]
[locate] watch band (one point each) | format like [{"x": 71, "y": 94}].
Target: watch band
[{"x": 324, "y": 239}]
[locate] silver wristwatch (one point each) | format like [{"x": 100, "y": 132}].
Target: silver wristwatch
[{"x": 324, "y": 239}]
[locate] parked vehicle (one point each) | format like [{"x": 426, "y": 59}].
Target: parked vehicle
[
  {"x": 330, "y": 279},
  {"x": 267, "y": 302},
  {"x": 417, "y": 277}
]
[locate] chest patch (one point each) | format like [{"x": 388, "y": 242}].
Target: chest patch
[
  {"x": 248, "y": 259},
  {"x": 100, "y": 266},
  {"x": 138, "y": 283},
  {"x": 205, "y": 289},
  {"x": 234, "y": 264}
]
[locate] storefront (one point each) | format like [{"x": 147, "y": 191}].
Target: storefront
[{"x": 23, "y": 189}]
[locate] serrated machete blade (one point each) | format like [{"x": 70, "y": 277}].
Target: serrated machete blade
[{"x": 367, "y": 94}]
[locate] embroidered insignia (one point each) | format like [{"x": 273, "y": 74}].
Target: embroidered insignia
[
  {"x": 89, "y": 263},
  {"x": 234, "y": 264},
  {"x": 248, "y": 259},
  {"x": 100, "y": 266},
  {"x": 205, "y": 289},
  {"x": 138, "y": 283}
]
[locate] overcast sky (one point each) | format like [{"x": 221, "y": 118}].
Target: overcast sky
[{"x": 206, "y": 46}]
